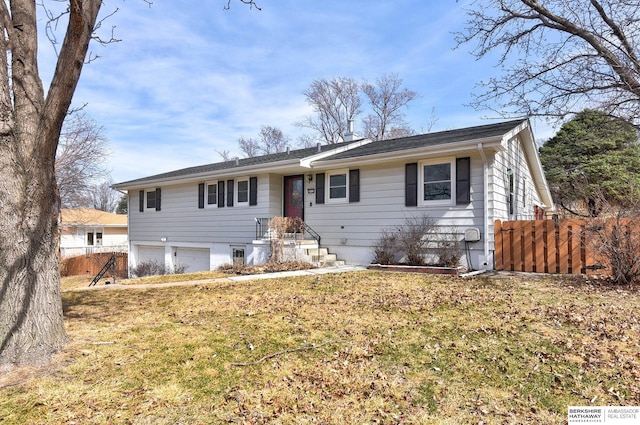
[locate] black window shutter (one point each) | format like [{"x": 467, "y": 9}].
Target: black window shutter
[
  {"x": 411, "y": 185},
  {"x": 158, "y": 196},
  {"x": 141, "y": 201},
  {"x": 229, "y": 193},
  {"x": 200, "y": 195},
  {"x": 253, "y": 191},
  {"x": 220, "y": 194},
  {"x": 354, "y": 185},
  {"x": 463, "y": 180},
  {"x": 320, "y": 188}
]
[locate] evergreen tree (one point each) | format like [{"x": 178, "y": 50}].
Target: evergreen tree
[{"x": 593, "y": 158}]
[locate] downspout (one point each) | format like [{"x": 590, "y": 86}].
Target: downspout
[{"x": 485, "y": 184}]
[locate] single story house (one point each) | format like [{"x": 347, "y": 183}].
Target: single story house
[
  {"x": 347, "y": 194},
  {"x": 87, "y": 231}
]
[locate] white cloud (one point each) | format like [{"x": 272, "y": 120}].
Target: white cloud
[{"x": 189, "y": 78}]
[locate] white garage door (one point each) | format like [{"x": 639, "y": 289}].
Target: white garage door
[
  {"x": 151, "y": 254},
  {"x": 195, "y": 260}
]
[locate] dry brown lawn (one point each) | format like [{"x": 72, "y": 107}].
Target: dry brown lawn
[{"x": 358, "y": 347}]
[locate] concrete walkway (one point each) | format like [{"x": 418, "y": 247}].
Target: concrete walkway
[{"x": 230, "y": 278}]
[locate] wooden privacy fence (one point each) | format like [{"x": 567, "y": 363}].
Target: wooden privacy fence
[
  {"x": 92, "y": 263},
  {"x": 548, "y": 246}
]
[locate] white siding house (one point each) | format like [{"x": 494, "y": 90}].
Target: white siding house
[
  {"x": 348, "y": 193},
  {"x": 87, "y": 231}
]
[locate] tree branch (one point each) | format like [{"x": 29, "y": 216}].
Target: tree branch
[{"x": 291, "y": 350}]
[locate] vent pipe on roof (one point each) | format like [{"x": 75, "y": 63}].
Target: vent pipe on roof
[
  {"x": 237, "y": 160},
  {"x": 319, "y": 147},
  {"x": 351, "y": 135},
  {"x": 288, "y": 150}
]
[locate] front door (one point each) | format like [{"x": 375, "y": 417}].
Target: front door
[{"x": 293, "y": 196}]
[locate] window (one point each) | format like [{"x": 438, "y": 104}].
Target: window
[
  {"x": 151, "y": 200},
  {"x": 94, "y": 237},
  {"x": 242, "y": 194},
  {"x": 437, "y": 182},
  {"x": 212, "y": 194},
  {"x": 238, "y": 256},
  {"x": 338, "y": 186}
]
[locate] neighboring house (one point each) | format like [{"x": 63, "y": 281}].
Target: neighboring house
[
  {"x": 206, "y": 216},
  {"x": 87, "y": 231}
]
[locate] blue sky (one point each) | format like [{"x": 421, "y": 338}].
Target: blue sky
[{"x": 189, "y": 78}]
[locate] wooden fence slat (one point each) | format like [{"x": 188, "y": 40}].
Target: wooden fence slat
[
  {"x": 507, "y": 247},
  {"x": 551, "y": 247},
  {"x": 576, "y": 265},
  {"x": 528, "y": 243},
  {"x": 563, "y": 248},
  {"x": 541, "y": 264},
  {"x": 517, "y": 246},
  {"x": 498, "y": 242}
]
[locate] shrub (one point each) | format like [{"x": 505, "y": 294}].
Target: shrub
[
  {"x": 408, "y": 239},
  {"x": 448, "y": 249},
  {"x": 154, "y": 268},
  {"x": 412, "y": 238},
  {"x": 278, "y": 227},
  {"x": 385, "y": 248}
]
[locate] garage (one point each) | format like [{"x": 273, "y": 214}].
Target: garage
[
  {"x": 194, "y": 259},
  {"x": 150, "y": 254}
]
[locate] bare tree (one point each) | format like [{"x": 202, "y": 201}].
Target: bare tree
[
  {"x": 387, "y": 98},
  {"x": 102, "y": 197},
  {"x": 31, "y": 320},
  {"x": 225, "y": 155},
  {"x": 559, "y": 56},
  {"x": 273, "y": 140},
  {"x": 81, "y": 153},
  {"x": 335, "y": 102},
  {"x": 249, "y": 147},
  {"x": 270, "y": 140},
  {"x": 31, "y": 324}
]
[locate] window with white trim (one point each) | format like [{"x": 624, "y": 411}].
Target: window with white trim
[
  {"x": 151, "y": 199},
  {"x": 211, "y": 194},
  {"x": 94, "y": 237},
  {"x": 438, "y": 182},
  {"x": 338, "y": 186},
  {"x": 242, "y": 191}
]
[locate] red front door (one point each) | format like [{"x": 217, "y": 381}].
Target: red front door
[{"x": 293, "y": 196}]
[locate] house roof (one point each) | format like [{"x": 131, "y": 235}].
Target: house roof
[
  {"x": 91, "y": 217},
  {"x": 294, "y": 155},
  {"x": 491, "y": 135},
  {"x": 429, "y": 139}
]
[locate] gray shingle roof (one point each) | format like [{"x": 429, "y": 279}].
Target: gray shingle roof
[
  {"x": 241, "y": 162},
  {"x": 372, "y": 148},
  {"x": 429, "y": 139}
]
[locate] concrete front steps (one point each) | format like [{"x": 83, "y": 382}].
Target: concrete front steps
[{"x": 314, "y": 254}]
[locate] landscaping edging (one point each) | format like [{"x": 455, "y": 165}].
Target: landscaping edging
[{"x": 415, "y": 269}]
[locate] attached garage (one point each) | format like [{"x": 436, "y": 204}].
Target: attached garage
[
  {"x": 150, "y": 254},
  {"x": 194, "y": 259}
]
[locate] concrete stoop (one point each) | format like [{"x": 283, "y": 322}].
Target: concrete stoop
[{"x": 312, "y": 253}]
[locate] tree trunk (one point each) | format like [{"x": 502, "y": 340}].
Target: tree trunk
[
  {"x": 31, "y": 323},
  {"x": 31, "y": 319}
]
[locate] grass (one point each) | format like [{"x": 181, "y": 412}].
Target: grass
[
  {"x": 83, "y": 281},
  {"x": 359, "y": 347}
]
